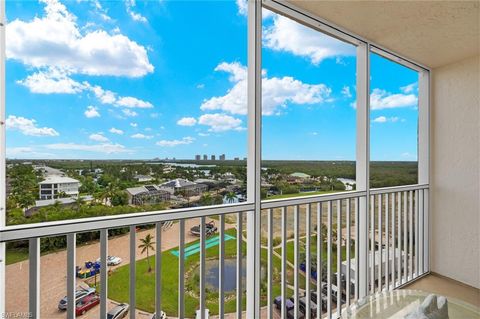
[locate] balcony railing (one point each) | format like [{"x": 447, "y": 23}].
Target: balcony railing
[{"x": 299, "y": 232}]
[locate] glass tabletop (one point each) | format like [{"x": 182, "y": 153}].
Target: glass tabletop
[{"x": 399, "y": 303}]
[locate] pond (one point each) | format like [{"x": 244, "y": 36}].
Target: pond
[{"x": 230, "y": 281}]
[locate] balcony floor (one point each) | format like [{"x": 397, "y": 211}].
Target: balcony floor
[{"x": 447, "y": 287}]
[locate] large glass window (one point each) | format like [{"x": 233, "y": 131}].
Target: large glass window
[
  {"x": 115, "y": 107},
  {"x": 308, "y": 106},
  {"x": 393, "y": 123}
]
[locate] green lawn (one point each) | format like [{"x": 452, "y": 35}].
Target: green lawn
[
  {"x": 16, "y": 255},
  {"x": 118, "y": 284}
]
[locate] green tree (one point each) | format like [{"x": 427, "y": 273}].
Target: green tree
[
  {"x": 146, "y": 245},
  {"x": 231, "y": 197}
]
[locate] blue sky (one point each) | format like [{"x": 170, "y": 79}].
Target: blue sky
[{"x": 144, "y": 79}]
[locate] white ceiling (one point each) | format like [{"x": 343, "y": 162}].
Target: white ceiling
[{"x": 433, "y": 33}]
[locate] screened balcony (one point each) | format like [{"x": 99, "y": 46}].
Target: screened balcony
[{"x": 312, "y": 256}]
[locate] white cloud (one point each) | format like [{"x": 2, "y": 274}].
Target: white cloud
[
  {"x": 242, "y": 6},
  {"x": 276, "y": 92},
  {"x": 290, "y": 36},
  {"x": 133, "y": 124},
  {"x": 109, "y": 97},
  {"x": 129, "y": 113},
  {"x": 381, "y": 99},
  {"x": 383, "y": 119},
  {"x": 141, "y": 136},
  {"x": 51, "y": 81},
  {"x": 187, "y": 121},
  {"x": 412, "y": 87},
  {"x": 115, "y": 131},
  {"x": 26, "y": 152},
  {"x": 91, "y": 112},
  {"x": 220, "y": 122},
  {"x": 55, "y": 40},
  {"x": 171, "y": 143},
  {"x": 98, "y": 137},
  {"x": 129, "y": 4},
  {"x": 54, "y": 80},
  {"x": 380, "y": 119},
  {"x": 131, "y": 102},
  {"x": 200, "y": 86},
  {"x": 346, "y": 91},
  {"x": 107, "y": 148},
  {"x": 28, "y": 127}
]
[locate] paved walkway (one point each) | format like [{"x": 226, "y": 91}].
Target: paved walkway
[{"x": 53, "y": 271}]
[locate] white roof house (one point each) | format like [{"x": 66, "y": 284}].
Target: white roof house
[
  {"x": 54, "y": 186},
  {"x": 57, "y": 179}
]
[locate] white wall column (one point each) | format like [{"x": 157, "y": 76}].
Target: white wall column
[{"x": 363, "y": 160}]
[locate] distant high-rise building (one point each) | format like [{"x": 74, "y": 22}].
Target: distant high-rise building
[
  {"x": 236, "y": 159},
  {"x": 244, "y": 158},
  {"x": 205, "y": 157},
  {"x": 222, "y": 157},
  {"x": 212, "y": 158},
  {"x": 197, "y": 157}
]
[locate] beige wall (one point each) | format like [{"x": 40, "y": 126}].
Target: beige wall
[{"x": 455, "y": 178}]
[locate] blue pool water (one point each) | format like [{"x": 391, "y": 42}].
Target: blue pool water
[{"x": 195, "y": 248}]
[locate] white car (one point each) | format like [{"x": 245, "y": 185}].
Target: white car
[
  {"x": 163, "y": 315},
  {"x": 198, "y": 314},
  {"x": 112, "y": 260}
]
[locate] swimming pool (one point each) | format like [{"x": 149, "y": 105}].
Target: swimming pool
[{"x": 195, "y": 248}]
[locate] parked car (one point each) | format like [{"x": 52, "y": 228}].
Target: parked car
[
  {"x": 198, "y": 314},
  {"x": 278, "y": 303},
  {"x": 334, "y": 294},
  {"x": 86, "y": 304},
  {"x": 303, "y": 306},
  {"x": 163, "y": 315},
  {"x": 314, "y": 298},
  {"x": 112, "y": 260},
  {"x": 79, "y": 295},
  {"x": 119, "y": 311},
  {"x": 210, "y": 229},
  {"x": 291, "y": 314}
]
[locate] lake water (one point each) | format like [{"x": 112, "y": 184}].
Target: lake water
[{"x": 230, "y": 282}]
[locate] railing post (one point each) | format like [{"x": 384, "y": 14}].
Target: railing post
[
  {"x": 363, "y": 162},
  {"x": 3, "y": 246},
  {"x": 34, "y": 277},
  {"x": 71, "y": 274},
  {"x": 424, "y": 156},
  {"x": 254, "y": 156}
]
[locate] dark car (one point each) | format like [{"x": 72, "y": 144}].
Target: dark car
[
  {"x": 79, "y": 294},
  {"x": 278, "y": 303},
  {"x": 86, "y": 304},
  {"x": 314, "y": 298},
  {"x": 119, "y": 311},
  {"x": 291, "y": 314},
  {"x": 210, "y": 229},
  {"x": 303, "y": 306}
]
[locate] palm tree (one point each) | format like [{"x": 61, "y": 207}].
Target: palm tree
[
  {"x": 231, "y": 197},
  {"x": 79, "y": 201},
  {"x": 146, "y": 245}
]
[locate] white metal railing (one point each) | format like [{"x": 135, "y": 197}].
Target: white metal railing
[{"x": 397, "y": 249}]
